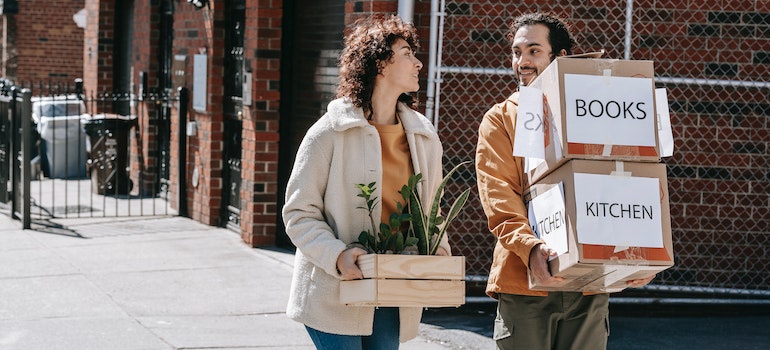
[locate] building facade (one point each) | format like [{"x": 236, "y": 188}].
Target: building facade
[
  {"x": 41, "y": 42},
  {"x": 260, "y": 72}
]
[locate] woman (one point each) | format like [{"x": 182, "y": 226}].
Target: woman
[{"x": 368, "y": 134}]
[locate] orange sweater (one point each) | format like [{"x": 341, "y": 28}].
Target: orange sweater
[
  {"x": 500, "y": 183},
  {"x": 396, "y": 166}
]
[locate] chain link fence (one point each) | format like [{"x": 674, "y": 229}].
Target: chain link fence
[{"x": 714, "y": 60}]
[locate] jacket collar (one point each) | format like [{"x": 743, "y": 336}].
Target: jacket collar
[{"x": 347, "y": 116}]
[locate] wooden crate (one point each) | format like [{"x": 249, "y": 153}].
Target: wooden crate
[{"x": 407, "y": 280}]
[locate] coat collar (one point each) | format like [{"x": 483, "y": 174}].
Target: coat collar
[{"x": 347, "y": 116}]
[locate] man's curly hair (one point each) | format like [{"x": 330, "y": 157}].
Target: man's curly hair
[
  {"x": 367, "y": 50},
  {"x": 559, "y": 35}
]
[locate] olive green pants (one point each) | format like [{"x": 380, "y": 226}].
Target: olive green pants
[{"x": 560, "y": 321}]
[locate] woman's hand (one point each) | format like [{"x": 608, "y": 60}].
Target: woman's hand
[{"x": 346, "y": 264}]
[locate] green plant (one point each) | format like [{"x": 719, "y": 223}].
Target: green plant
[
  {"x": 424, "y": 231},
  {"x": 390, "y": 238}
]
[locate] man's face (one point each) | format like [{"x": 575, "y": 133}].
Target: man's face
[{"x": 532, "y": 52}]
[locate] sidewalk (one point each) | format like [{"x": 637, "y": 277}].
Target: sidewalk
[{"x": 154, "y": 283}]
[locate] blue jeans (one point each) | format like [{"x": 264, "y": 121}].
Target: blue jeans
[{"x": 384, "y": 335}]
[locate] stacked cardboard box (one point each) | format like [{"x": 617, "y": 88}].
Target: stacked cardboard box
[{"x": 600, "y": 196}]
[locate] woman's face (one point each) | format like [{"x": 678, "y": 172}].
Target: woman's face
[{"x": 402, "y": 71}]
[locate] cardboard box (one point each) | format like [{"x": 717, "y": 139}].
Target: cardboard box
[
  {"x": 407, "y": 280},
  {"x": 608, "y": 220},
  {"x": 595, "y": 108}
]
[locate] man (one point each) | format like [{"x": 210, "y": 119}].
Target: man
[{"x": 528, "y": 319}]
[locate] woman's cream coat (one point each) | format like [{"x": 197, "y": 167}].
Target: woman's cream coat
[{"x": 323, "y": 212}]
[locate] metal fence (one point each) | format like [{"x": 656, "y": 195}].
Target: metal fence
[
  {"x": 87, "y": 152},
  {"x": 14, "y": 153},
  {"x": 713, "y": 61}
]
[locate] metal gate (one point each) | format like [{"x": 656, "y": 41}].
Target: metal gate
[
  {"x": 233, "y": 114},
  {"x": 719, "y": 108},
  {"x": 166, "y": 84},
  {"x": 16, "y": 147},
  {"x": 5, "y": 143},
  {"x": 86, "y": 164}
]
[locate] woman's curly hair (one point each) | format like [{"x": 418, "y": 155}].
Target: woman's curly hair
[{"x": 367, "y": 49}]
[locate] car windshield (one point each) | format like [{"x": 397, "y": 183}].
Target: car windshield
[{"x": 60, "y": 109}]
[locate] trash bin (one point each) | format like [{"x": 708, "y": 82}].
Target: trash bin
[
  {"x": 108, "y": 163},
  {"x": 59, "y": 136},
  {"x": 63, "y": 144}
]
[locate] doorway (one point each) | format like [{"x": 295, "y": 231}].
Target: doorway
[{"x": 233, "y": 114}]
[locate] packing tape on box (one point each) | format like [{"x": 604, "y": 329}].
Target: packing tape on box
[
  {"x": 620, "y": 169},
  {"x": 607, "y": 150},
  {"x": 607, "y": 73}
]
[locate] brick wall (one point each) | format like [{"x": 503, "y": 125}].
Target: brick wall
[
  {"x": 195, "y": 33},
  {"x": 309, "y": 78},
  {"x": 49, "y": 44},
  {"x": 259, "y": 162},
  {"x": 97, "y": 50},
  {"x": 202, "y": 31},
  {"x": 718, "y": 177},
  {"x": 144, "y": 58}
]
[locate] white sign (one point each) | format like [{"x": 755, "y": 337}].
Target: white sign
[
  {"x": 547, "y": 216},
  {"x": 665, "y": 135},
  {"x": 618, "y": 210},
  {"x": 530, "y": 126},
  {"x": 532, "y": 163},
  {"x": 199, "y": 82},
  {"x": 246, "y": 91},
  {"x": 606, "y": 110}
]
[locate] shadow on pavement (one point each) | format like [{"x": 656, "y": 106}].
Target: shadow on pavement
[{"x": 475, "y": 317}]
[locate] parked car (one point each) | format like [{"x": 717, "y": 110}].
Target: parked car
[{"x": 62, "y": 144}]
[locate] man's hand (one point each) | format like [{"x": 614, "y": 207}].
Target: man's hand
[
  {"x": 441, "y": 251},
  {"x": 538, "y": 264},
  {"x": 346, "y": 264},
  {"x": 637, "y": 283}
]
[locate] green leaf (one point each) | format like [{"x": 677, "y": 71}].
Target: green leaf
[
  {"x": 363, "y": 237},
  {"x": 399, "y": 242},
  {"x": 395, "y": 221},
  {"x": 405, "y": 192},
  {"x": 384, "y": 230},
  {"x": 419, "y": 223},
  {"x": 434, "y": 219},
  {"x": 454, "y": 210}
]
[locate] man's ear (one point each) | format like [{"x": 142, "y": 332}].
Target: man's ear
[{"x": 562, "y": 52}]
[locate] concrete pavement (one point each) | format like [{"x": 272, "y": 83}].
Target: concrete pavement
[{"x": 154, "y": 283}]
